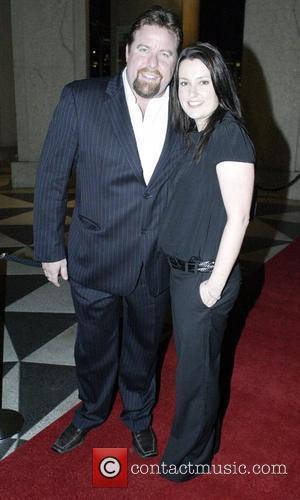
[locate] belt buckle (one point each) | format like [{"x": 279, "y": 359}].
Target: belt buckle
[
  {"x": 195, "y": 264},
  {"x": 172, "y": 261},
  {"x": 176, "y": 263},
  {"x": 193, "y": 267}
]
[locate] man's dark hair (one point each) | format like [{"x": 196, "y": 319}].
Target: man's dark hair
[
  {"x": 223, "y": 85},
  {"x": 158, "y": 16}
]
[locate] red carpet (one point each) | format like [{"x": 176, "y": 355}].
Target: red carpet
[{"x": 260, "y": 427}]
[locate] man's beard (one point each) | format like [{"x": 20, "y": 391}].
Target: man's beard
[{"x": 144, "y": 88}]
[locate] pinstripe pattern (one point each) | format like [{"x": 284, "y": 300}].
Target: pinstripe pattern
[
  {"x": 113, "y": 236},
  {"x": 96, "y": 353},
  {"x": 116, "y": 218}
]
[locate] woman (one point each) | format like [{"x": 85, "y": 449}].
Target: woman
[{"x": 202, "y": 235}]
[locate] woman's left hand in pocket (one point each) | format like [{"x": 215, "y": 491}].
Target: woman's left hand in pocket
[{"x": 205, "y": 295}]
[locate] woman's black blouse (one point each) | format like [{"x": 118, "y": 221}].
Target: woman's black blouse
[{"x": 195, "y": 218}]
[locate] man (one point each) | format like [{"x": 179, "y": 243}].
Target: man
[{"x": 115, "y": 134}]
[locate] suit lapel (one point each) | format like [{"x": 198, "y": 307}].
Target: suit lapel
[{"x": 118, "y": 112}]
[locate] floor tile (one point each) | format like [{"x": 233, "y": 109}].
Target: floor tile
[
  {"x": 7, "y": 367},
  {"x": 23, "y": 219},
  {"x": 58, "y": 351},
  {"x": 9, "y": 352},
  {"x": 47, "y": 298},
  {"x": 264, "y": 254},
  {"x": 28, "y": 332},
  {"x": 17, "y": 288},
  {"x": 250, "y": 244},
  {"x": 12, "y": 202},
  {"x": 261, "y": 229},
  {"x": 22, "y": 196},
  {"x": 8, "y": 446},
  {"x": 21, "y": 233},
  {"x": 47, "y": 385},
  {"x": 274, "y": 208},
  {"x": 6, "y": 241},
  {"x": 289, "y": 228},
  {"x": 286, "y": 216},
  {"x": 66, "y": 405},
  {"x": 11, "y": 388}
]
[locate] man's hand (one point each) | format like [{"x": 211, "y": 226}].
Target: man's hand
[{"x": 52, "y": 270}]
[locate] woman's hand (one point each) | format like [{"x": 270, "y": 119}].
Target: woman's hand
[{"x": 208, "y": 297}]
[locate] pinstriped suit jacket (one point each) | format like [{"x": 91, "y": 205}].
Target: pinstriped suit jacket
[{"x": 116, "y": 219}]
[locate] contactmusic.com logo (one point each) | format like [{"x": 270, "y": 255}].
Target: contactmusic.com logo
[{"x": 110, "y": 467}]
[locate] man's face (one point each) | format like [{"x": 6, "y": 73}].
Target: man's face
[{"x": 151, "y": 60}]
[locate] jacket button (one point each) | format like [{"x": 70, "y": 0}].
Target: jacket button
[{"x": 147, "y": 195}]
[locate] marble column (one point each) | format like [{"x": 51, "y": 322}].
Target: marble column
[
  {"x": 271, "y": 90},
  {"x": 8, "y": 132},
  {"x": 50, "y": 50}
]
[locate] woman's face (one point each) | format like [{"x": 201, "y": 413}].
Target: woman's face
[{"x": 196, "y": 91}]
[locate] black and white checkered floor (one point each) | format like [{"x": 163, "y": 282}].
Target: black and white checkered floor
[{"x": 39, "y": 321}]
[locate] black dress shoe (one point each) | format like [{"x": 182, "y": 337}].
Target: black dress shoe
[
  {"x": 144, "y": 442},
  {"x": 70, "y": 438}
]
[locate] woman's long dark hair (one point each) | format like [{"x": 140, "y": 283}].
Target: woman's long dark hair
[{"x": 223, "y": 85}]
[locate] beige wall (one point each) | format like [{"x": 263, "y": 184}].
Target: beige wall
[
  {"x": 8, "y": 131},
  {"x": 50, "y": 50},
  {"x": 271, "y": 89}
]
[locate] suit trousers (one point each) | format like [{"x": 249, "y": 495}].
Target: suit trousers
[
  {"x": 105, "y": 360},
  {"x": 198, "y": 332}
]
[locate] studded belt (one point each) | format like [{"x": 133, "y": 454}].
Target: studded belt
[{"x": 191, "y": 266}]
